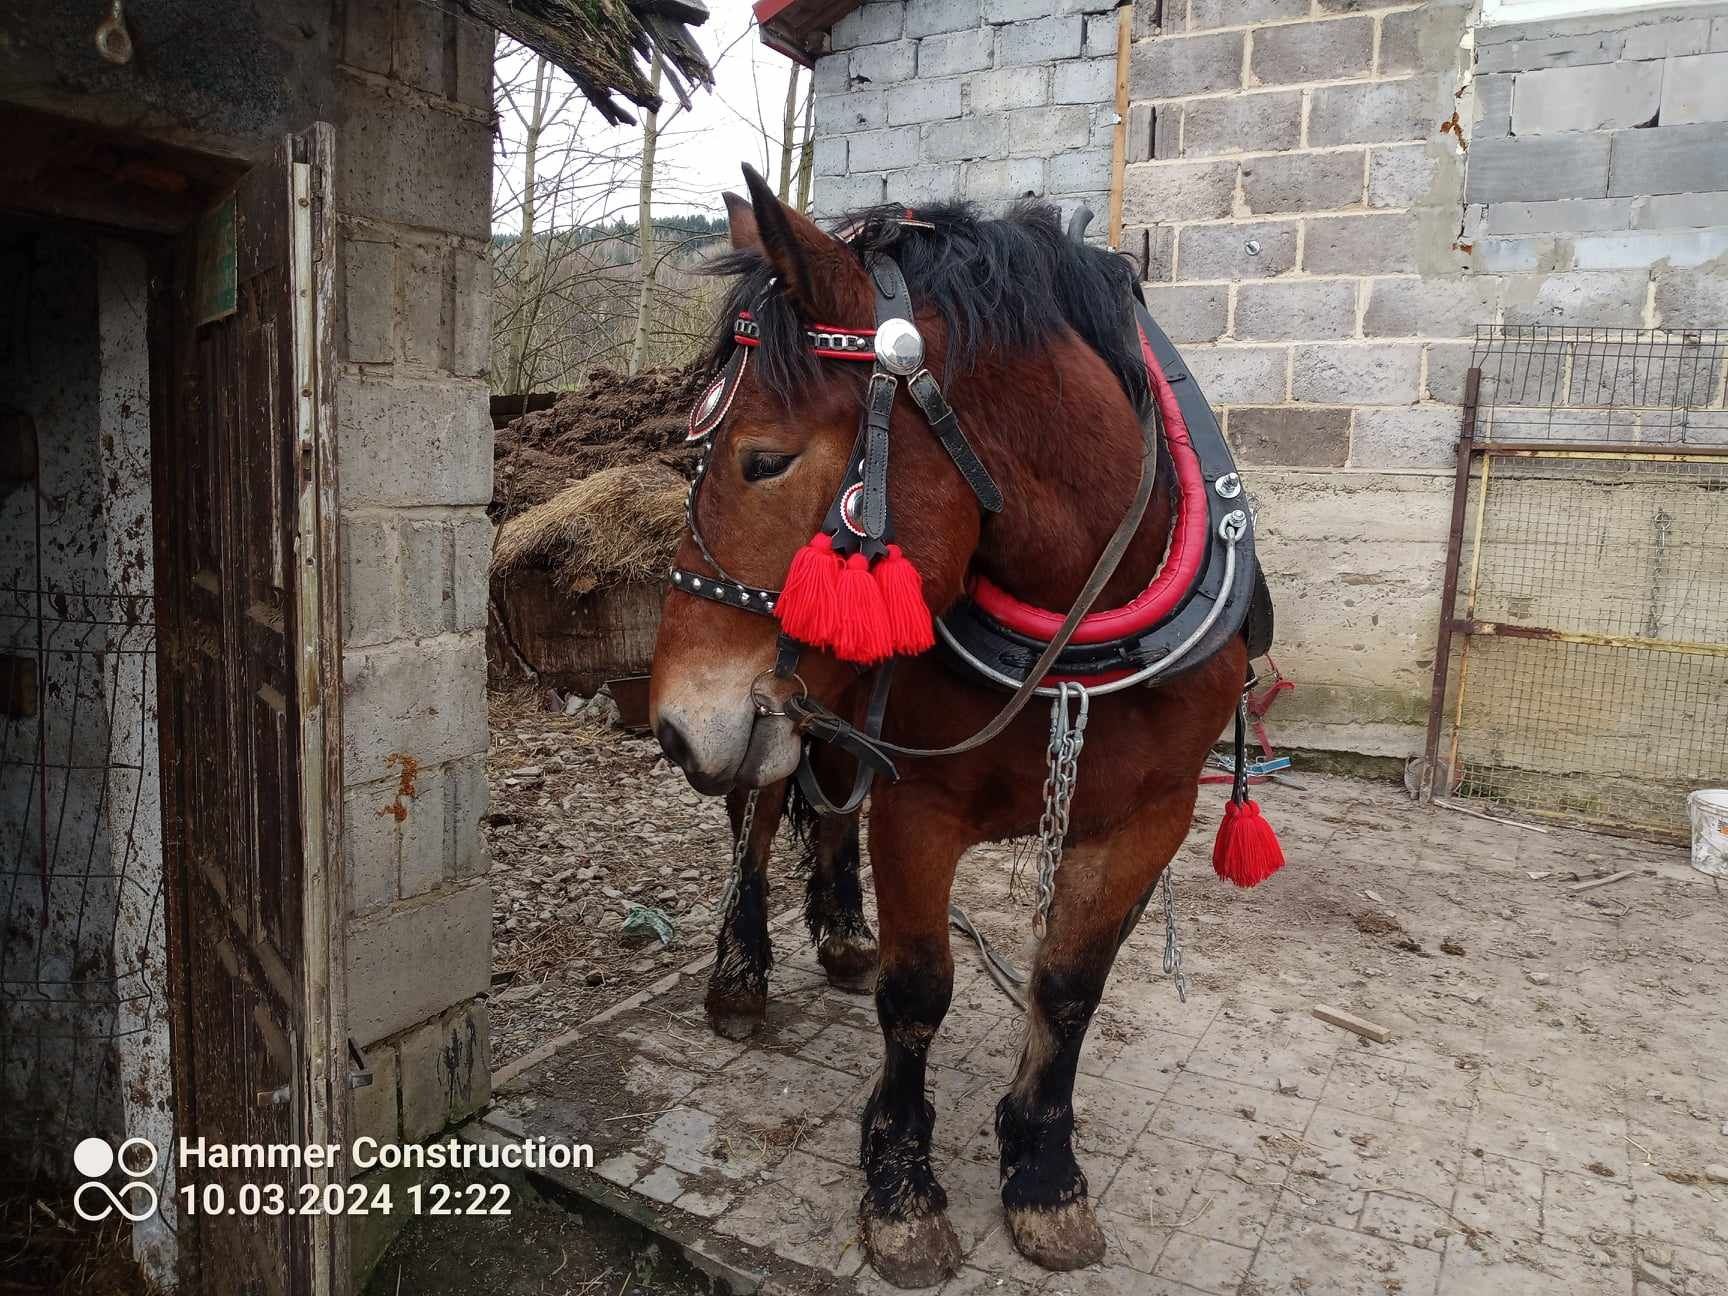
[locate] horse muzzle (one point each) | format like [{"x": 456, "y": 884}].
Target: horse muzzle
[{"x": 724, "y": 747}]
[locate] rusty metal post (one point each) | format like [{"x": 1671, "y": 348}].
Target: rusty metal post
[{"x": 1449, "y": 592}]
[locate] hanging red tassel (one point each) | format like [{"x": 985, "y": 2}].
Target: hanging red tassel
[
  {"x": 862, "y": 633},
  {"x": 808, "y": 606},
  {"x": 1246, "y": 851},
  {"x": 909, "y": 624}
]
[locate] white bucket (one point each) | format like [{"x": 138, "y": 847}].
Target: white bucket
[{"x": 1708, "y": 808}]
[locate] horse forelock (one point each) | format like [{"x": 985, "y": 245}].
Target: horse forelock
[{"x": 1000, "y": 285}]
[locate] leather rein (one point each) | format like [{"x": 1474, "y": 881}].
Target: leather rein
[{"x": 895, "y": 350}]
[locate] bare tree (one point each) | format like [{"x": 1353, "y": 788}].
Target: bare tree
[
  {"x": 788, "y": 130},
  {"x": 645, "y": 228},
  {"x": 807, "y": 151}
]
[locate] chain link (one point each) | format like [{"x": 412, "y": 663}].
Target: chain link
[
  {"x": 740, "y": 849},
  {"x": 1172, "y": 943},
  {"x": 1067, "y": 737}
]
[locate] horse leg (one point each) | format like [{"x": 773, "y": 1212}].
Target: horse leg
[
  {"x": 834, "y": 905},
  {"x": 905, "y": 1230},
  {"x": 738, "y": 987},
  {"x": 1100, "y": 889}
]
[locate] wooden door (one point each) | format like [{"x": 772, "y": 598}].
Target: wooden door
[{"x": 243, "y": 513}]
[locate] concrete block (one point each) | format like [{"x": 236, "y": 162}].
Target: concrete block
[
  {"x": 869, "y": 24},
  {"x": 1258, "y": 250},
  {"x": 831, "y": 155},
  {"x": 471, "y": 555},
  {"x": 424, "y": 306},
  {"x": 1085, "y": 81},
  {"x": 1638, "y": 249},
  {"x": 417, "y": 52},
  {"x": 417, "y": 805},
  {"x": 469, "y": 797},
  {"x": 475, "y": 43},
  {"x": 1309, "y": 308},
  {"x": 1150, "y": 20},
  {"x": 960, "y": 51},
  {"x": 1190, "y": 312},
  {"x": 1156, "y": 249},
  {"x": 1178, "y": 191},
  {"x": 1242, "y": 13},
  {"x": 1045, "y": 132},
  {"x": 832, "y": 195},
  {"x": 1373, "y": 113},
  {"x": 1100, "y": 36},
  {"x": 1718, "y": 34},
  {"x": 1678, "y": 211},
  {"x": 1495, "y": 255},
  {"x": 1078, "y": 171},
  {"x": 1381, "y": 243},
  {"x": 445, "y": 1071},
  {"x": 371, "y": 848},
  {"x": 409, "y": 442},
  {"x": 1009, "y": 88},
  {"x": 857, "y": 110},
  {"x": 1667, "y": 38},
  {"x": 1431, "y": 307},
  {"x": 1686, "y": 299},
  {"x": 884, "y": 64},
  {"x": 1234, "y": 375},
  {"x": 367, "y": 31},
  {"x": 832, "y": 74},
  {"x": 927, "y": 183},
  {"x": 1258, "y": 123},
  {"x": 1417, "y": 436},
  {"x": 882, "y": 150},
  {"x": 996, "y": 180},
  {"x": 368, "y": 301},
  {"x": 371, "y": 592},
  {"x": 970, "y": 137},
  {"x": 1186, "y": 65},
  {"x": 922, "y": 101},
  {"x": 393, "y": 985},
  {"x": 471, "y": 351},
  {"x": 1559, "y": 216},
  {"x": 1311, "y": 51},
  {"x": 1290, "y": 437},
  {"x": 1039, "y": 40},
  {"x": 1553, "y": 166},
  {"x": 932, "y": 17},
  {"x": 1356, "y": 374},
  {"x": 1013, "y": 11},
  {"x": 1167, "y": 130},
  {"x": 1517, "y": 55},
  {"x": 1669, "y": 159},
  {"x": 427, "y": 599},
  {"x": 425, "y": 700},
  {"x": 375, "y": 1110},
  {"x": 1586, "y": 98},
  {"x": 1401, "y": 175},
  {"x": 1296, "y": 182},
  {"x": 1143, "y": 122},
  {"x": 1445, "y": 365},
  {"x": 1583, "y": 299},
  {"x": 1421, "y": 40},
  {"x": 401, "y": 162}
]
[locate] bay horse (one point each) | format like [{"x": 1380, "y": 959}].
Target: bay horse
[{"x": 1049, "y": 466}]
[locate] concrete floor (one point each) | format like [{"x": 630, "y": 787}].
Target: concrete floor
[{"x": 1539, "y": 1122}]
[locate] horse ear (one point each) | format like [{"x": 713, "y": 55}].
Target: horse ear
[
  {"x": 741, "y": 224},
  {"x": 817, "y": 270}
]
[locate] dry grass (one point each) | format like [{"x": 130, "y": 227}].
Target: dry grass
[
  {"x": 619, "y": 525},
  {"x": 46, "y": 1250}
]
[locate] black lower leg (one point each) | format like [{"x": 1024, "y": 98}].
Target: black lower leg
[
  {"x": 834, "y": 905},
  {"x": 911, "y": 999},
  {"x": 738, "y": 986}
]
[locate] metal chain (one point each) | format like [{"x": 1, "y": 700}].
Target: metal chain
[
  {"x": 1067, "y": 737},
  {"x": 1172, "y": 943},
  {"x": 740, "y": 849}
]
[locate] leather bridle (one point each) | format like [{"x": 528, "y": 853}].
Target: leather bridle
[{"x": 895, "y": 350}]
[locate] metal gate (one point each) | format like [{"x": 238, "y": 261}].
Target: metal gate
[{"x": 1581, "y": 672}]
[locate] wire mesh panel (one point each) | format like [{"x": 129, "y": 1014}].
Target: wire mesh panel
[{"x": 1584, "y": 671}]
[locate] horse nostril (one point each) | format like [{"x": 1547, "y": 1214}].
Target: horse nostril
[{"x": 673, "y": 743}]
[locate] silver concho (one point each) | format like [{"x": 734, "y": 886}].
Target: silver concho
[
  {"x": 849, "y": 503},
  {"x": 899, "y": 347}
]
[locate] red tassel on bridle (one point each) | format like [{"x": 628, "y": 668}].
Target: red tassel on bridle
[
  {"x": 861, "y": 632},
  {"x": 909, "y": 624},
  {"x": 808, "y": 607}
]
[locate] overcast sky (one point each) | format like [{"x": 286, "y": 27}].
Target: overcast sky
[{"x": 700, "y": 148}]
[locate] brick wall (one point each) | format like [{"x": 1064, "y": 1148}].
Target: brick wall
[
  {"x": 413, "y": 143},
  {"x": 981, "y": 99},
  {"x": 1317, "y": 238}
]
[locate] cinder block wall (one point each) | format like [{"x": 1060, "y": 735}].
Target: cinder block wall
[
  {"x": 413, "y": 145},
  {"x": 1319, "y": 241},
  {"x": 988, "y": 100}
]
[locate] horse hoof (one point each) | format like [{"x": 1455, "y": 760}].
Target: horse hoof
[
  {"x": 917, "y": 1252},
  {"x": 850, "y": 962},
  {"x": 733, "y": 1015},
  {"x": 1066, "y": 1237}
]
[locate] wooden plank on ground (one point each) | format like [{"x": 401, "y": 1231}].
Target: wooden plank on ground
[{"x": 1352, "y": 1023}]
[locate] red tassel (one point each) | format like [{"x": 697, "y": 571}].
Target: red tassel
[
  {"x": 808, "y": 606},
  {"x": 902, "y": 588},
  {"x": 862, "y": 634},
  {"x": 1246, "y": 851}
]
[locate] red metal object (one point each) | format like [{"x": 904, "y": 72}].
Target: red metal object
[
  {"x": 795, "y": 27},
  {"x": 1258, "y": 705}
]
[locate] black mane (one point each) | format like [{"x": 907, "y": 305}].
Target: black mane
[{"x": 1004, "y": 285}]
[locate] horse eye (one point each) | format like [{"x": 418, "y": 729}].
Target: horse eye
[{"x": 759, "y": 467}]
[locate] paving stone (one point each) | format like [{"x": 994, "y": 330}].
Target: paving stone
[{"x": 1298, "y": 1255}]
